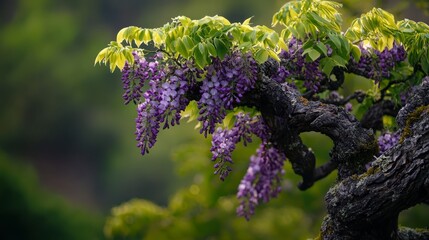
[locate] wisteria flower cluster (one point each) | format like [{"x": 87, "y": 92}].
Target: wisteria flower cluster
[
  {"x": 262, "y": 180},
  {"x": 263, "y": 177},
  {"x": 387, "y": 140},
  {"x": 163, "y": 102},
  {"x": 377, "y": 65},
  {"x": 225, "y": 83},
  {"x": 136, "y": 74},
  {"x": 225, "y": 140},
  {"x": 294, "y": 65}
]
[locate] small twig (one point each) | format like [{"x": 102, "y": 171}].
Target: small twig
[
  {"x": 384, "y": 90},
  {"x": 358, "y": 95}
]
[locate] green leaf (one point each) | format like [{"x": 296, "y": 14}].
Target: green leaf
[
  {"x": 191, "y": 111},
  {"x": 261, "y": 55},
  {"x": 120, "y": 60},
  {"x": 127, "y": 34},
  {"x": 157, "y": 38},
  {"x": 202, "y": 49},
  {"x": 247, "y": 21},
  {"x": 424, "y": 61},
  {"x": 101, "y": 56},
  {"x": 339, "y": 60},
  {"x": 318, "y": 21},
  {"x": 221, "y": 48},
  {"x": 189, "y": 44},
  {"x": 139, "y": 37},
  {"x": 274, "y": 37},
  {"x": 327, "y": 64},
  {"x": 356, "y": 53},
  {"x": 313, "y": 54},
  {"x": 245, "y": 46},
  {"x": 200, "y": 60},
  {"x": 300, "y": 28},
  {"x": 322, "y": 48},
  {"x": 335, "y": 40},
  {"x": 181, "y": 48},
  {"x": 147, "y": 36},
  {"x": 112, "y": 61},
  {"x": 249, "y": 36},
  {"x": 120, "y": 36},
  {"x": 273, "y": 55},
  {"x": 308, "y": 45},
  {"x": 128, "y": 56},
  {"x": 229, "y": 120},
  {"x": 204, "y": 52},
  {"x": 211, "y": 49},
  {"x": 282, "y": 45}
]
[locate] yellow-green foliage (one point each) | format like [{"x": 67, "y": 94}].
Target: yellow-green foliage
[
  {"x": 197, "y": 39},
  {"x": 376, "y": 28},
  {"x": 308, "y": 17},
  {"x": 315, "y": 22}
]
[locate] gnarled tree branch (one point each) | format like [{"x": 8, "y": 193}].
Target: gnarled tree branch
[
  {"x": 288, "y": 114},
  {"x": 367, "y": 206}
]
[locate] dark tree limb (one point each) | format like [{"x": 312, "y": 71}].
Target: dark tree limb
[
  {"x": 354, "y": 146},
  {"x": 367, "y": 206},
  {"x": 371, "y": 202},
  {"x": 358, "y": 95},
  {"x": 288, "y": 114}
]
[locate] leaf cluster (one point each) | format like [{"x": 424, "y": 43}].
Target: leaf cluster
[
  {"x": 318, "y": 25},
  {"x": 197, "y": 40},
  {"x": 379, "y": 30},
  {"x": 415, "y": 37},
  {"x": 308, "y": 18},
  {"x": 376, "y": 28}
]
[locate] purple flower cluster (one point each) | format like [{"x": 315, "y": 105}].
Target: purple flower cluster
[
  {"x": 224, "y": 141},
  {"x": 375, "y": 64},
  {"x": 281, "y": 75},
  {"x": 225, "y": 83},
  {"x": 263, "y": 176},
  {"x": 387, "y": 140},
  {"x": 163, "y": 102},
  {"x": 262, "y": 179},
  {"x": 135, "y": 75},
  {"x": 297, "y": 66}
]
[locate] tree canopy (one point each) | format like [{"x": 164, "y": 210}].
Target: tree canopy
[{"x": 242, "y": 82}]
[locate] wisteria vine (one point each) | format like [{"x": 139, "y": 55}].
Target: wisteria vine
[{"x": 161, "y": 88}]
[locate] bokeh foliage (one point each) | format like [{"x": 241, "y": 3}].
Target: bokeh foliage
[{"x": 29, "y": 212}]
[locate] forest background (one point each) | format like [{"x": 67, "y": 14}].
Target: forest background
[{"x": 67, "y": 150}]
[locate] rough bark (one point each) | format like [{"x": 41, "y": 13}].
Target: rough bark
[
  {"x": 366, "y": 206},
  {"x": 363, "y": 204}
]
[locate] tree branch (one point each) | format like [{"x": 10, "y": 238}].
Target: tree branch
[
  {"x": 367, "y": 206},
  {"x": 288, "y": 114}
]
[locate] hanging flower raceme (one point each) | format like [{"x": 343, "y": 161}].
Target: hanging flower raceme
[{"x": 225, "y": 83}]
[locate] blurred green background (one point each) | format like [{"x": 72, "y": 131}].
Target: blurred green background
[{"x": 67, "y": 150}]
